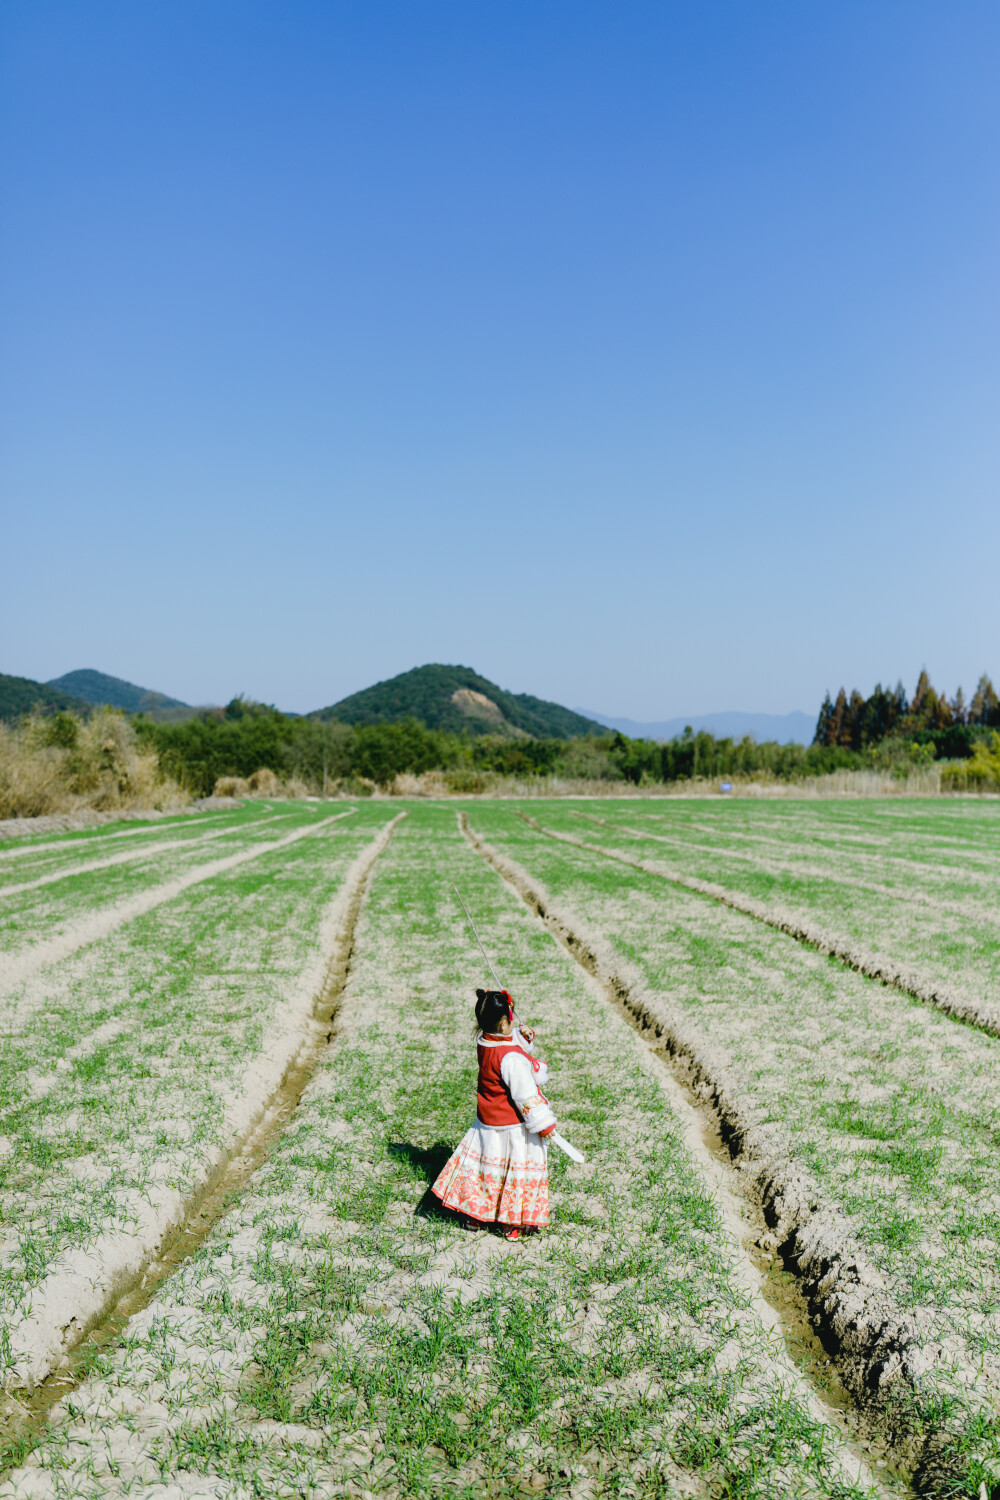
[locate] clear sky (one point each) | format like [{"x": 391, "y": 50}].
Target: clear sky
[{"x": 640, "y": 355}]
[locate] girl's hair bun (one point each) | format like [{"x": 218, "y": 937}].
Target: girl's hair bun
[{"x": 492, "y": 1006}]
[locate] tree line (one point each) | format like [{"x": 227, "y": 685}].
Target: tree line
[
  {"x": 952, "y": 727},
  {"x": 234, "y": 743},
  {"x": 243, "y": 737}
]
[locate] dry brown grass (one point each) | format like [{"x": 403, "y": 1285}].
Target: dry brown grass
[
  {"x": 981, "y": 773},
  {"x": 263, "y": 783},
  {"x": 922, "y": 782},
  {"x": 65, "y": 765}
]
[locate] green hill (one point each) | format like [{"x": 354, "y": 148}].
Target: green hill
[
  {"x": 20, "y": 695},
  {"x": 458, "y": 699},
  {"x": 98, "y": 688}
]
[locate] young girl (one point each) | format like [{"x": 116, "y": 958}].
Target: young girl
[{"x": 498, "y": 1175}]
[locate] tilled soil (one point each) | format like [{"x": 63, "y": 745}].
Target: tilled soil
[
  {"x": 129, "y": 1069},
  {"x": 883, "y": 1111},
  {"x": 921, "y": 893},
  {"x": 334, "y": 1335},
  {"x": 42, "y": 917}
]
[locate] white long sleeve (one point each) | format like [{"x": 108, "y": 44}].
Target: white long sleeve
[{"x": 522, "y": 1080}]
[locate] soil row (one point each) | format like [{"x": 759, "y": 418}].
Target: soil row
[
  {"x": 885, "y": 1360},
  {"x": 153, "y": 1177},
  {"x": 904, "y": 977},
  {"x": 335, "y": 1337},
  {"x": 44, "y": 928}
]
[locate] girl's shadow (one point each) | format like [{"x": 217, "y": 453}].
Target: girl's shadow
[{"x": 427, "y": 1162}]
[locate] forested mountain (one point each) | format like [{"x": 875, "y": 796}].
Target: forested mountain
[
  {"x": 98, "y": 688},
  {"x": 458, "y": 700},
  {"x": 21, "y": 695}
]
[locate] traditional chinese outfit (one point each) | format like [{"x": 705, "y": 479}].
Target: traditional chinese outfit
[{"x": 498, "y": 1173}]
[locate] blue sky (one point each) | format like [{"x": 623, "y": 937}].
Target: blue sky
[{"x": 641, "y": 356}]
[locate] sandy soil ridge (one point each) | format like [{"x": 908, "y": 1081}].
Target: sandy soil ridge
[
  {"x": 878, "y": 966},
  {"x": 68, "y": 1303},
  {"x": 334, "y": 1339},
  {"x": 22, "y": 851},
  {"x": 757, "y": 862},
  {"x": 894, "y": 1374},
  {"x": 66, "y": 872},
  {"x": 20, "y": 966}
]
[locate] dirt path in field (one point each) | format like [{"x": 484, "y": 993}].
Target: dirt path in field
[
  {"x": 161, "y": 847},
  {"x": 14, "y": 969},
  {"x": 71, "y": 1303},
  {"x": 953, "y": 1001},
  {"x": 814, "y": 872},
  {"x": 878, "y": 1350}
]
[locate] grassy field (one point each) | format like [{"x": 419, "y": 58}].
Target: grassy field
[
  {"x": 274, "y": 1055},
  {"x": 917, "y": 884}
]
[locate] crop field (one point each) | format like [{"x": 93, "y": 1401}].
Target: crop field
[{"x": 237, "y": 1050}]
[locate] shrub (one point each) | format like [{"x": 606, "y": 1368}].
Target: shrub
[
  {"x": 980, "y": 773},
  {"x": 67, "y": 763}
]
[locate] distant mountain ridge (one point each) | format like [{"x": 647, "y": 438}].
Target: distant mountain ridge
[
  {"x": 457, "y": 699},
  {"x": 98, "y": 688},
  {"x": 797, "y": 727},
  {"x": 22, "y": 695}
]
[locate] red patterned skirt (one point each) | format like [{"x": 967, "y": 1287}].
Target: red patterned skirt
[{"x": 498, "y": 1175}]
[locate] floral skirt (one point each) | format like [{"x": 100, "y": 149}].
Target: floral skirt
[{"x": 498, "y": 1175}]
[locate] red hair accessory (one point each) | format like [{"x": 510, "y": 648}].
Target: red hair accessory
[{"x": 510, "y": 1005}]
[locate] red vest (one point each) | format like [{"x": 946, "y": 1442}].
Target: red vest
[{"x": 494, "y": 1104}]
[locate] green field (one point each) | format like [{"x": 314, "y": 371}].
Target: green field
[{"x": 776, "y": 1274}]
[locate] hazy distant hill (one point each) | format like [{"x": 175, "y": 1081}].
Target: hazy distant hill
[
  {"x": 19, "y": 695},
  {"x": 797, "y": 727},
  {"x": 98, "y": 688},
  {"x": 457, "y": 699}
]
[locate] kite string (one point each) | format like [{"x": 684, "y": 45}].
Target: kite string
[{"x": 479, "y": 940}]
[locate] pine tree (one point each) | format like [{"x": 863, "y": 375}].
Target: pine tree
[
  {"x": 822, "y": 735},
  {"x": 902, "y": 707},
  {"x": 939, "y": 713},
  {"x": 985, "y": 705},
  {"x": 958, "y": 708},
  {"x": 924, "y": 703},
  {"x": 838, "y": 721}
]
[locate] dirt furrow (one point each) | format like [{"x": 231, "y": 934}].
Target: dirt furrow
[
  {"x": 878, "y": 966},
  {"x": 870, "y": 849},
  {"x": 72, "y": 1302},
  {"x": 336, "y": 1338},
  {"x": 20, "y": 966},
  {"x": 65, "y": 824},
  {"x": 897, "y": 1380},
  {"x": 162, "y": 847},
  {"x": 811, "y": 872}
]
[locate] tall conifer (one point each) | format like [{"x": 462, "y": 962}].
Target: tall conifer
[{"x": 985, "y": 705}]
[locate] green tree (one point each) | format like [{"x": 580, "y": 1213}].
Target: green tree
[{"x": 985, "y": 706}]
